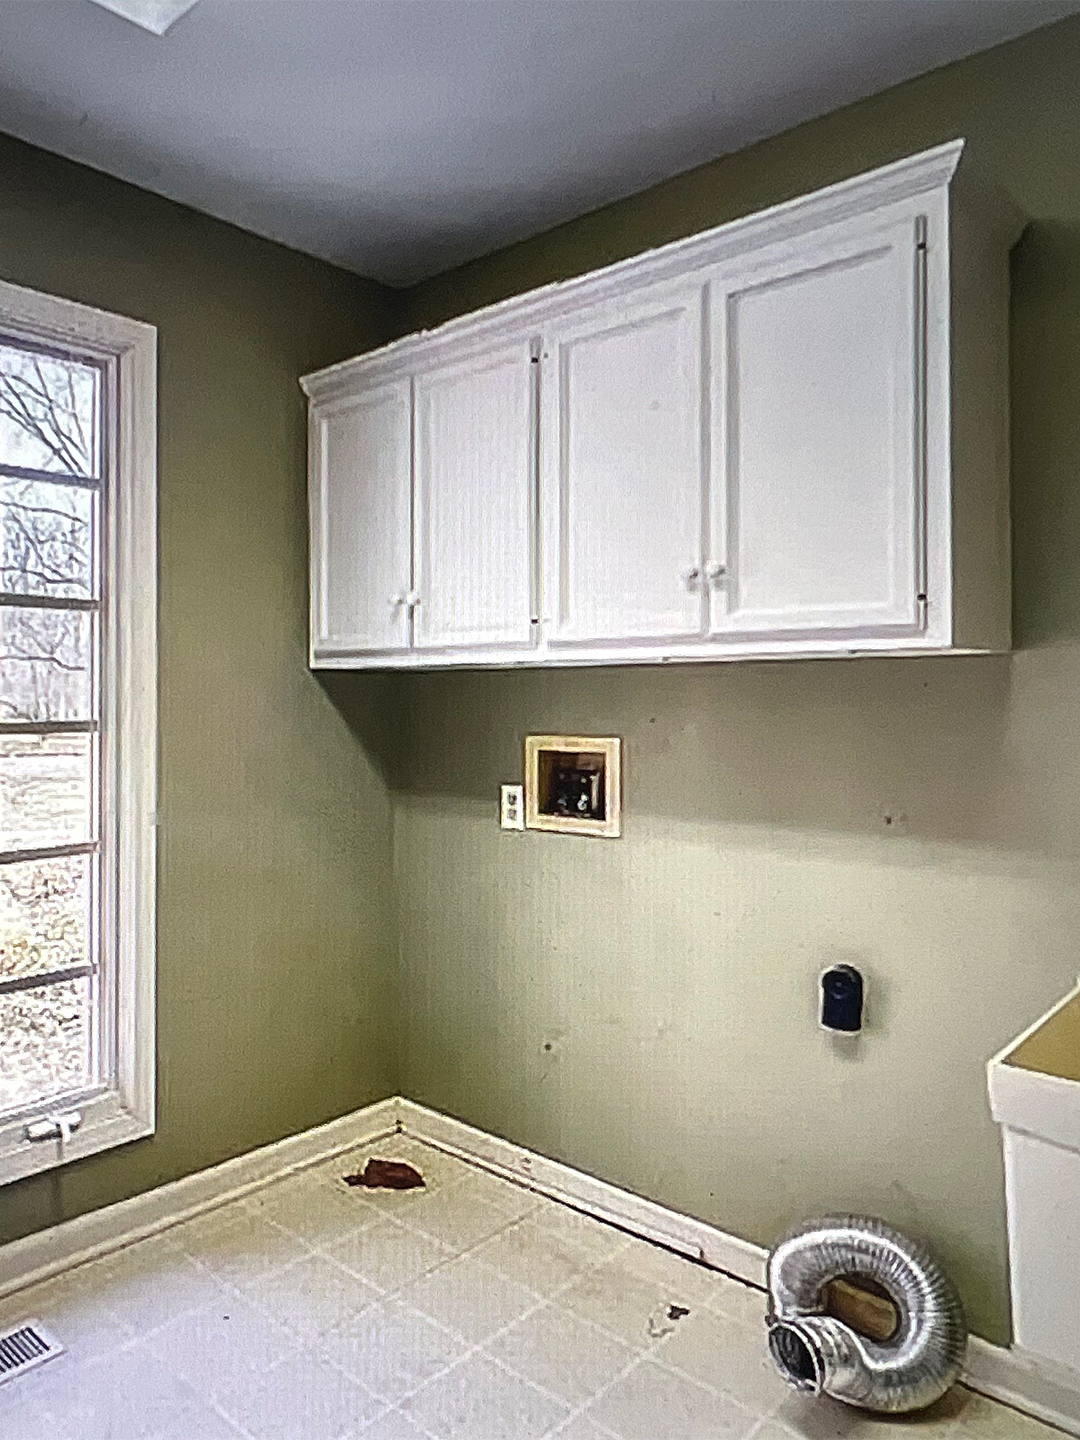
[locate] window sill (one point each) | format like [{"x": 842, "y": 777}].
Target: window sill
[{"x": 106, "y": 1122}]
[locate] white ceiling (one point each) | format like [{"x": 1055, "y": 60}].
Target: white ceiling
[{"x": 400, "y": 137}]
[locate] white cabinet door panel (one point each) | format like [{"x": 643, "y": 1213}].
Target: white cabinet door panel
[
  {"x": 475, "y": 501},
  {"x": 623, "y": 455},
  {"x": 817, "y": 422},
  {"x": 361, "y": 507}
]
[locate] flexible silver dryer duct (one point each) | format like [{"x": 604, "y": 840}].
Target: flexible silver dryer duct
[{"x": 817, "y": 1352}]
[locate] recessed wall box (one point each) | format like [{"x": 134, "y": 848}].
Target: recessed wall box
[{"x": 573, "y": 784}]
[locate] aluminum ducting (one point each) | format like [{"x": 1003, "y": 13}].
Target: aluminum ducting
[{"x": 819, "y": 1353}]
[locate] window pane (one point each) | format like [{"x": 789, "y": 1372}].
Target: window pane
[
  {"x": 44, "y": 915},
  {"x": 46, "y": 790},
  {"x": 45, "y": 664},
  {"x": 48, "y": 413},
  {"x": 46, "y": 1043},
  {"x": 48, "y": 538}
]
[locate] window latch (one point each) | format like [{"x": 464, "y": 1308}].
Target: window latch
[{"x": 54, "y": 1127}]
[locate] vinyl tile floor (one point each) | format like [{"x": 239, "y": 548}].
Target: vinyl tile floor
[{"x": 472, "y": 1309}]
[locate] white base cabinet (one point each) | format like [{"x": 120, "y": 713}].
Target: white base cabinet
[
  {"x": 785, "y": 437},
  {"x": 1034, "y": 1086}
]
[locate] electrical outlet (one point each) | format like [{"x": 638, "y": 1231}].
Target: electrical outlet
[{"x": 512, "y": 807}]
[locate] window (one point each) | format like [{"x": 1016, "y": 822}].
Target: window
[{"x": 77, "y": 730}]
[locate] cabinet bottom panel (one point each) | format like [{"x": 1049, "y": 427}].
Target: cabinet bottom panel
[{"x": 704, "y": 653}]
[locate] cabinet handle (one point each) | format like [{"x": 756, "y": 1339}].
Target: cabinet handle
[
  {"x": 716, "y": 572},
  {"x": 692, "y": 577}
]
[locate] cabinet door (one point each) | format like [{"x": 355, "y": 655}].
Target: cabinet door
[
  {"x": 623, "y": 468},
  {"x": 361, "y": 465},
  {"x": 817, "y": 361},
  {"x": 475, "y": 501}
]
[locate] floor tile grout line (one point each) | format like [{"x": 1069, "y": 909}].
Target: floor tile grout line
[
  {"x": 312, "y": 1251},
  {"x": 468, "y": 1250},
  {"x": 589, "y": 1264},
  {"x": 209, "y": 1396},
  {"x": 472, "y": 1349},
  {"x": 397, "y": 1410},
  {"x": 644, "y": 1355},
  {"x": 477, "y": 1348},
  {"x": 764, "y": 1415},
  {"x": 301, "y": 1350},
  {"x": 631, "y": 1365},
  {"x": 546, "y": 1297},
  {"x": 550, "y": 1297},
  {"x": 304, "y": 1343},
  {"x": 244, "y": 1431},
  {"x": 137, "y": 1342},
  {"x": 640, "y": 1353}
]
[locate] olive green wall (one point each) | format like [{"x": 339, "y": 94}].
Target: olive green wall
[
  {"x": 276, "y": 955},
  {"x": 920, "y": 818}
]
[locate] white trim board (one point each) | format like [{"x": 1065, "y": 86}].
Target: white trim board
[
  {"x": 36, "y": 1257},
  {"x": 119, "y": 1105},
  {"x": 1022, "y": 1381},
  {"x": 1026, "y": 1382}
]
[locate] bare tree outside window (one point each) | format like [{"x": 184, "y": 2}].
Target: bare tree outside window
[{"x": 50, "y": 560}]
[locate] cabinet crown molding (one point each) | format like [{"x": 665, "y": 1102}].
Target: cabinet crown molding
[{"x": 902, "y": 180}]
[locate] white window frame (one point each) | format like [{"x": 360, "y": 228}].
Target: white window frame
[{"x": 124, "y": 1109}]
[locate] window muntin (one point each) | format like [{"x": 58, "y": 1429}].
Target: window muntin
[{"x": 55, "y": 981}]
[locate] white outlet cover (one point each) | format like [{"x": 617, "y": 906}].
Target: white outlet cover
[{"x": 512, "y": 807}]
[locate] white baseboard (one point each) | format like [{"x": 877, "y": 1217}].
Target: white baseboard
[
  {"x": 596, "y": 1197},
  {"x": 36, "y": 1257},
  {"x": 1025, "y": 1382}
]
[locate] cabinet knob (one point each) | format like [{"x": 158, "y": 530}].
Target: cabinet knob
[
  {"x": 396, "y": 602},
  {"x": 692, "y": 577},
  {"x": 716, "y": 572},
  {"x": 412, "y": 599}
]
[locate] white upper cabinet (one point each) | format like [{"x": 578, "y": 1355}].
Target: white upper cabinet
[
  {"x": 360, "y": 486},
  {"x": 817, "y": 356},
  {"x": 785, "y": 437},
  {"x": 624, "y": 447},
  {"x": 475, "y": 449}
]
